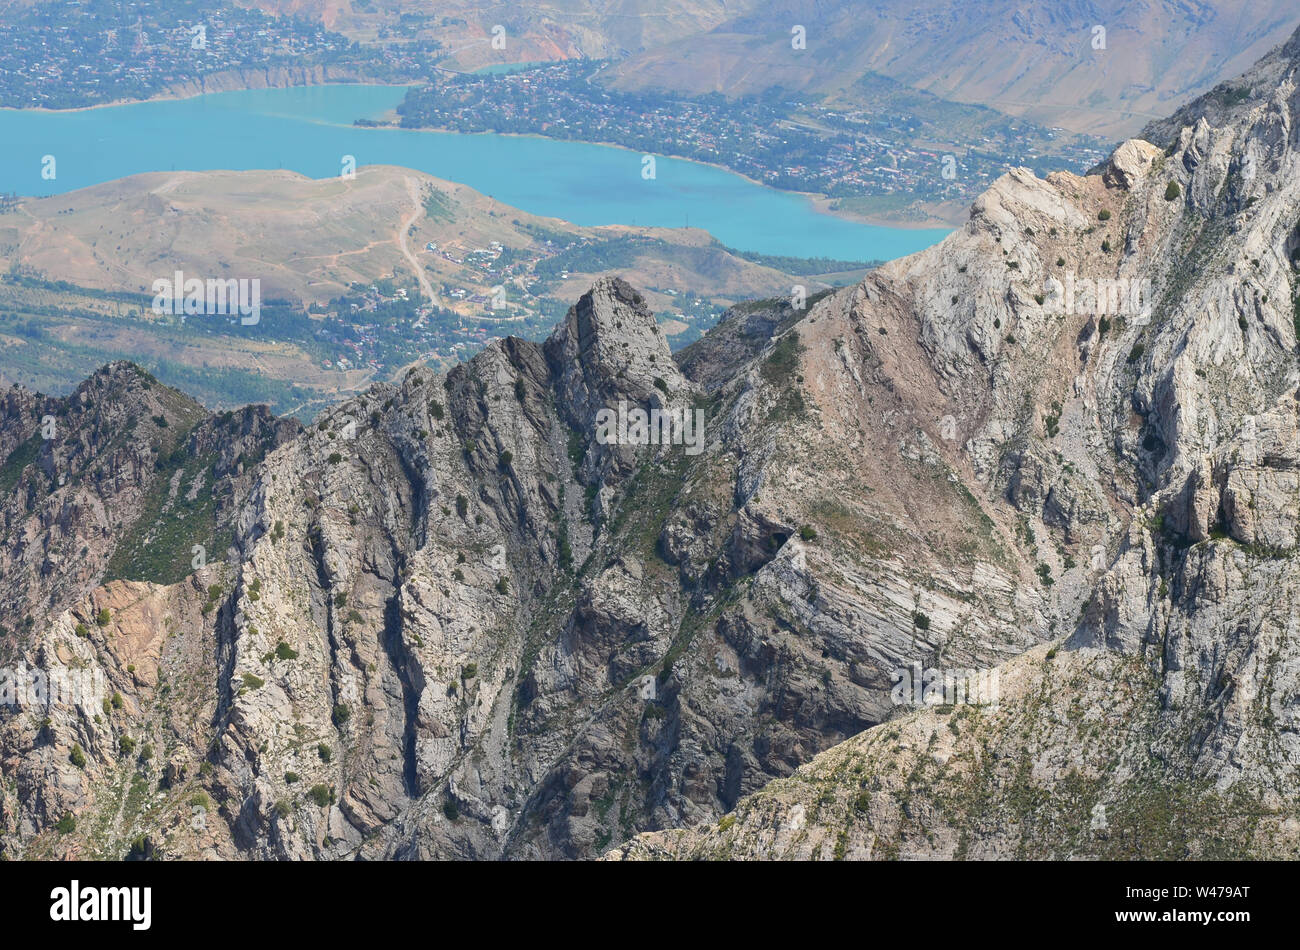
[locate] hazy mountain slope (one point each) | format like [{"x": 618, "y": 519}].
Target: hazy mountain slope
[
  {"x": 1165, "y": 723},
  {"x": 553, "y": 29},
  {"x": 1011, "y": 55},
  {"x": 1008, "y": 54}
]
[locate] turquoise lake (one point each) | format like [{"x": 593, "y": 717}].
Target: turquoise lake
[{"x": 309, "y": 130}]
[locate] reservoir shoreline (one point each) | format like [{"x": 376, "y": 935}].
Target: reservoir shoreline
[
  {"x": 236, "y": 80},
  {"x": 312, "y": 130}
]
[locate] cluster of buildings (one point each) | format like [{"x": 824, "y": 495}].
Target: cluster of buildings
[
  {"x": 791, "y": 144},
  {"x": 68, "y": 53}
]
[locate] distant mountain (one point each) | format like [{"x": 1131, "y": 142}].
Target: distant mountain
[
  {"x": 535, "y": 31},
  {"x": 1021, "y": 57},
  {"x": 1029, "y": 59}
]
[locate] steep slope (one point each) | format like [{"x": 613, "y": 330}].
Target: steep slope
[
  {"x": 1154, "y": 54},
  {"x": 1164, "y": 723},
  {"x": 119, "y": 479},
  {"x": 123, "y": 483}
]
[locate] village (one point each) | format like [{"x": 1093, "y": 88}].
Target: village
[
  {"x": 74, "y": 53},
  {"x": 498, "y": 291},
  {"x": 794, "y": 143}
]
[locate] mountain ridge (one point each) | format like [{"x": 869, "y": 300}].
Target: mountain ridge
[
  {"x": 1160, "y": 725},
  {"x": 452, "y": 622}
]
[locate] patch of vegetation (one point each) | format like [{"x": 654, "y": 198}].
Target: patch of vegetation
[
  {"x": 159, "y": 546},
  {"x": 783, "y": 359},
  {"x": 17, "y": 463},
  {"x": 436, "y": 205},
  {"x": 1053, "y": 421},
  {"x": 214, "y": 594}
]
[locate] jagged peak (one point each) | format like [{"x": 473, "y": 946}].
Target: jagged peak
[
  {"x": 610, "y": 347},
  {"x": 125, "y": 387},
  {"x": 610, "y": 313},
  {"x": 1130, "y": 163}
]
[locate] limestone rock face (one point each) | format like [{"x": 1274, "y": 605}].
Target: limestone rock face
[
  {"x": 1162, "y": 441},
  {"x": 609, "y": 346},
  {"x": 1130, "y": 163}
]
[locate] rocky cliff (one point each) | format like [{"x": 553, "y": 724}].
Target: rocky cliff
[{"x": 1162, "y": 720}]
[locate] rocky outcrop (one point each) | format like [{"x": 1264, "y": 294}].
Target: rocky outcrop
[{"x": 1161, "y": 723}]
